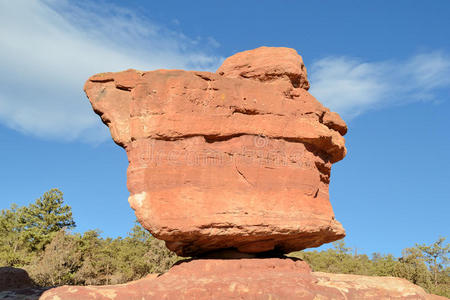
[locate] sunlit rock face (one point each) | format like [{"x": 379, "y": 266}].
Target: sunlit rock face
[{"x": 240, "y": 158}]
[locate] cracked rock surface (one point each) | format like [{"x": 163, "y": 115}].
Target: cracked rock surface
[{"x": 240, "y": 158}]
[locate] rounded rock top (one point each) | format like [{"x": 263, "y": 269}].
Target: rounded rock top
[{"x": 267, "y": 64}]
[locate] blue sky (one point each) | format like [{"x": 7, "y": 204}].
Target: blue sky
[{"x": 383, "y": 65}]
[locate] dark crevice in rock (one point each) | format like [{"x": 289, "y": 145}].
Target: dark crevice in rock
[
  {"x": 294, "y": 78},
  {"x": 243, "y": 176},
  {"x": 217, "y": 138},
  {"x": 233, "y": 253},
  {"x": 123, "y": 88},
  {"x": 246, "y": 111},
  {"x": 204, "y": 77},
  {"x": 250, "y": 112},
  {"x": 102, "y": 80},
  {"x": 316, "y": 193},
  {"x": 321, "y": 118}
]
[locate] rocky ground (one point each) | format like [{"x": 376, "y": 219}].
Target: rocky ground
[{"x": 251, "y": 278}]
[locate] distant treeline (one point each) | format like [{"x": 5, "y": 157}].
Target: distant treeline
[
  {"x": 38, "y": 239},
  {"x": 424, "y": 265}
]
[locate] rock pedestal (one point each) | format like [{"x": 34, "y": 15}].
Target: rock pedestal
[
  {"x": 240, "y": 158},
  {"x": 270, "y": 278}
]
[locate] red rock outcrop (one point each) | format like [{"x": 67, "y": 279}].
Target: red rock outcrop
[
  {"x": 270, "y": 278},
  {"x": 238, "y": 159}
]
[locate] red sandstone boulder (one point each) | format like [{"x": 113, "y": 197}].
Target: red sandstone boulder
[
  {"x": 270, "y": 278},
  {"x": 235, "y": 159}
]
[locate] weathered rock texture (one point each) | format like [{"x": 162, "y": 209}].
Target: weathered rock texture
[
  {"x": 239, "y": 159},
  {"x": 272, "y": 278}
]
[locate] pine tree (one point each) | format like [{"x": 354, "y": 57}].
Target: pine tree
[
  {"x": 436, "y": 255},
  {"x": 45, "y": 217},
  {"x": 26, "y": 230}
]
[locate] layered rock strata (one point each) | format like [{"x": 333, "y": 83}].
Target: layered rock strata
[{"x": 240, "y": 158}]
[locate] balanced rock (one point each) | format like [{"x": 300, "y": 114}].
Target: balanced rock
[{"x": 240, "y": 158}]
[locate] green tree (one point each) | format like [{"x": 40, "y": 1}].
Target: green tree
[
  {"x": 140, "y": 254},
  {"x": 45, "y": 217},
  {"x": 383, "y": 265},
  {"x": 59, "y": 261},
  {"x": 339, "y": 259},
  {"x": 12, "y": 249},
  {"x": 436, "y": 255},
  {"x": 90, "y": 246},
  {"x": 26, "y": 230},
  {"x": 413, "y": 267}
]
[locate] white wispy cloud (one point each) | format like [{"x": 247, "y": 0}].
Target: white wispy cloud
[
  {"x": 49, "y": 48},
  {"x": 351, "y": 86}
]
